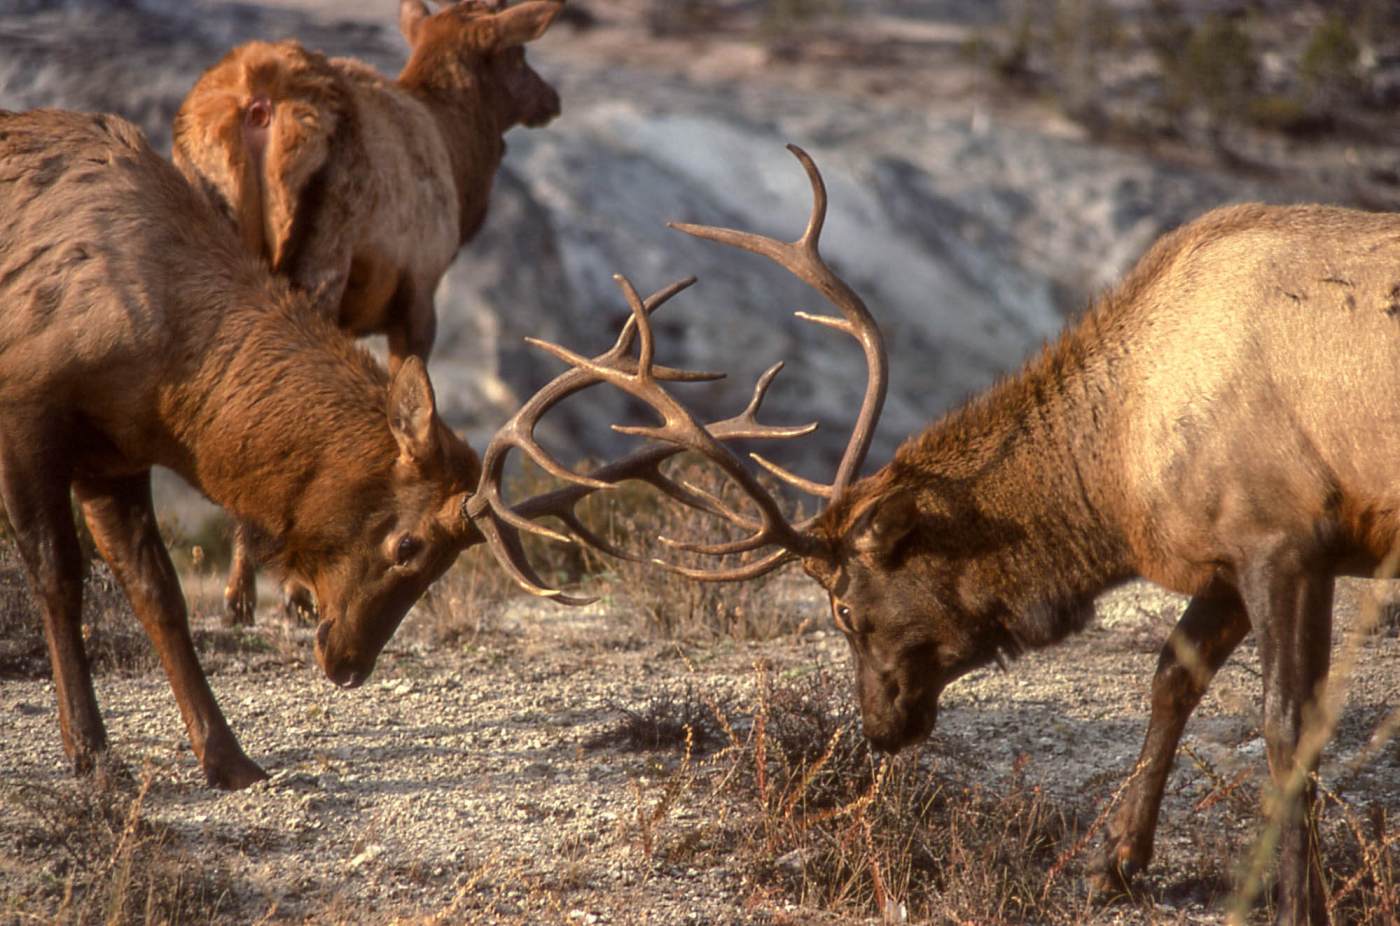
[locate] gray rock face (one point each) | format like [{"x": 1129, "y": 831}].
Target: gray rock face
[{"x": 971, "y": 241}]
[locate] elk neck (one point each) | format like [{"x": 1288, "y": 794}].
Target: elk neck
[
  {"x": 1018, "y": 495},
  {"x": 281, "y": 418},
  {"x": 458, "y": 100}
]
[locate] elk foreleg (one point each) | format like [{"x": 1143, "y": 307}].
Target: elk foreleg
[
  {"x": 1289, "y": 599},
  {"x": 122, "y": 519},
  {"x": 1208, "y": 632},
  {"x": 411, "y": 325},
  {"x": 41, "y": 517}
]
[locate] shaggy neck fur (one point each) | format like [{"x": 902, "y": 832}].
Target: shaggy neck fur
[{"x": 1018, "y": 505}]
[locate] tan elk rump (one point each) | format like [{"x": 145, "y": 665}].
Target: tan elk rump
[{"x": 357, "y": 188}]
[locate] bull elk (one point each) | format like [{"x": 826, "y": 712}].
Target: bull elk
[
  {"x": 358, "y": 189},
  {"x": 1215, "y": 424},
  {"x": 137, "y": 331}
]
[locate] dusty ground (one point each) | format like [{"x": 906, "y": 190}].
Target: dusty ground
[{"x": 486, "y": 782}]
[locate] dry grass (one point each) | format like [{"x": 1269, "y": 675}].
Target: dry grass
[
  {"x": 84, "y": 852},
  {"x": 820, "y": 826}
]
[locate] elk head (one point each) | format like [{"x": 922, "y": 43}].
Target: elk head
[
  {"x": 482, "y": 43},
  {"x": 410, "y": 515},
  {"x": 864, "y": 548}
]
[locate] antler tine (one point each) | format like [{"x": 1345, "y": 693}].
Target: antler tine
[
  {"x": 803, "y": 259},
  {"x": 487, "y": 508},
  {"x": 506, "y": 546},
  {"x": 678, "y": 430},
  {"x": 758, "y": 567},
  {"x": 680, "y": 427}
]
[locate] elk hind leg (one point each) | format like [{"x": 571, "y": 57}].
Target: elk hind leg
[
  {"x": 122, "y": 519},
  {"x": 1208, "y": 632},
  {"x": 241, "y": 593},
  {"x": 1289, "y": 597},
  {"x": 41, "y": 516}
]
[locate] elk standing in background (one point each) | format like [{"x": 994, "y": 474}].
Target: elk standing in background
[
  {"x": 135, "y": 330},
  {"x": 358, "y": 189},
  {"x": 1220, "y": 424}
]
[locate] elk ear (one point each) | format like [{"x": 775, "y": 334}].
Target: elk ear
[
  {"x": 525, "y": 23},
  {"x": 412, "y": 411},
  {"x": 411, "y": 16},
  {"x": 881, "y": 527}
]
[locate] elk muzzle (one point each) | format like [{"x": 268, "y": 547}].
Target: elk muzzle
[
  {"x": 543, "y": 106},
  {"x": 342, "y": 671},
  {"x": 895, "y": 713}
]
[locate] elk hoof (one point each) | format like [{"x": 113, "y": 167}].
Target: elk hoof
[
  {"x": 239, "y": 605},
  {"x": 233, "y": 772},
  {"x": 298, "y": 604},
  {"x": 1113, "y": 877}
]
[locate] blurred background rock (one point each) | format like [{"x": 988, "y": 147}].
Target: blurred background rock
[{"x": 992, "y": 166}]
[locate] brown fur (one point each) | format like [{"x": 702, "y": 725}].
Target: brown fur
[
  {"x": 135, "y": 330},
  {"x": 1216, "y": 424},
  {"x": 360, "y": 189}
]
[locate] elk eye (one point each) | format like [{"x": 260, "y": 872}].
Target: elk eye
[
  {"x": 843, "y": 615},
  {"x": 407, "y": 548}
]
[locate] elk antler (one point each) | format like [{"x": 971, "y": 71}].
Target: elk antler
[{"x": 500, "y": 524}]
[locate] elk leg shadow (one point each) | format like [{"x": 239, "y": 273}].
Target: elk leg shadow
[
  {"x": 1214, "y": 623},
  {"x": 121, "y": 516}
]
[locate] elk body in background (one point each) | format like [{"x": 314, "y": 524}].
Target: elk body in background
[
  {"x": 359, "y": 189},
  {"x": 136, "y": 330},
  {"x": 1219, "y": 423}
]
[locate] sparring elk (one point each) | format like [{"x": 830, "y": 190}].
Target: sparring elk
[
  {"x": 1216, "y": 424},
  {"x": 135, "y": 331},
  {"x": 359, "y": 189}
]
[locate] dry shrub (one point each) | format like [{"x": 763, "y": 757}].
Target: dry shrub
[
  {"x": 812, "y": 818},
  {"x": 671, "y": 606},
  {"x": 83, "y": 852},
  {"x": 666, "y": 721},
  {"x": 115, "y": 641}
]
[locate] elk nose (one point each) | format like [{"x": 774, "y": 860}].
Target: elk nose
[
  {"x": 349, "y": 678},
  {"x": 340, "y": 673}
]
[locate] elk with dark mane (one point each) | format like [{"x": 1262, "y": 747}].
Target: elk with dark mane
[{"x": 1215, "y": 424}]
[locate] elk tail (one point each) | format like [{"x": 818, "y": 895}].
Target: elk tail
[{"x": 256, "y": 144}]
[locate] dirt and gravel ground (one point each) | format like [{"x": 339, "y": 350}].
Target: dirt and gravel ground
[{"x": 491, "y": 780}]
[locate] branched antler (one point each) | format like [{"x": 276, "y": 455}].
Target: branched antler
[{"x": 501, "y": 524}]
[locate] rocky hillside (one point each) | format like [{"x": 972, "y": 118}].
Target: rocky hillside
[{"x": 972, "y": 229}]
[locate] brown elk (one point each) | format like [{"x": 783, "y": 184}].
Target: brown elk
[
  {"x": 358, "y": 189},
  {"x": 137, "y": 331},
  {"x": 1214, "y": 424}
]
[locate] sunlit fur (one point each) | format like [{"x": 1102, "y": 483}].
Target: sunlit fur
[
  {"x": 135, "y": 330},
  {"x": 359, "y": 188},
  {"x": 1218, "y": 423}
]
